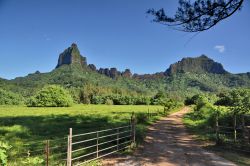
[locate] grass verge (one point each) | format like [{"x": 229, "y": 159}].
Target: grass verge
[{"x": 198, "y": 127}]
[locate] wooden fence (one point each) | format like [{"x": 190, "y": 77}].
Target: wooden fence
[{"x": 237, "y": 134}]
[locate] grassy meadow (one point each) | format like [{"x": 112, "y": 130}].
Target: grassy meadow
[{"x": 26, "y": 128}]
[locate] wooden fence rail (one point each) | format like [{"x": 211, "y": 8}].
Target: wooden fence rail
[{"x": 238, "y": 128}]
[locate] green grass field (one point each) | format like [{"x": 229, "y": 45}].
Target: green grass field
[{"x": 26, "y": 128}]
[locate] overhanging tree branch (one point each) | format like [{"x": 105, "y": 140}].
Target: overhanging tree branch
[{"x": 198, "y": 16}]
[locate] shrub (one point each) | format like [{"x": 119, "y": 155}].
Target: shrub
[
  {"x": 51, "y": 96},
  {"x": 188, "y": 101},
  {"x": 194, "y": 99},
  {"x": 159, "y": 99},
  {"x": 119, "y": 99},
  {"x": 141, "y": 100},
  {"x": 3, "y": 153},
  {"x": 9, "y": 98},
  {"x": 237, "y": 99},
  {"x": 141, "y": 118},
  {"x": 170, "y": 104},
  {"x": 97, "y": 100},
  {"x": 109, "y": 102},
  {"x": 33, "y": 161}
]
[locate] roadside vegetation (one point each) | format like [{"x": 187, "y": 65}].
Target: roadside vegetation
[{"x": 228, "y": 108}]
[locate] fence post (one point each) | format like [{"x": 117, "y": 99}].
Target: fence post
[
  {"x": 243, "y": 127},
  {"x": 134, "y": 123},
  {"x": 97, "y": 144},
  {"x": 217, "y": 128},
  {"x": 148, "y": 114},
  {"x": 47, "y": 152},
  {"x": 235, "y": 132},
  {"x": 69, "y": 153},
  {"x": 133, "y": 126},
  {"x": 248, "y": 135},
  {"x": 131, "y": 118},
  {"x": 117, "y": 139}
]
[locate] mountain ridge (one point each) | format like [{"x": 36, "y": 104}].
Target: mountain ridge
[
  {"x": 200, "y": 64},
  {"x": 183, "y": 78}
]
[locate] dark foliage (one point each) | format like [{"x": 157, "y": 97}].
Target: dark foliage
[
  {"x": 197, "y": 16},
  {"x": 237, "y": 99}
]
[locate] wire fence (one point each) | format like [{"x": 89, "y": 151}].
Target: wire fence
[{"x": 236, "y": 136}]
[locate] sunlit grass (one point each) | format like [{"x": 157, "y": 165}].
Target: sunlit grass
[{"x": 26, "y": 128}]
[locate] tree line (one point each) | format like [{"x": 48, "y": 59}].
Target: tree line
[{"x": 57, "y": 96}]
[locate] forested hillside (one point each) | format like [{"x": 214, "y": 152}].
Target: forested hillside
[{"x": 184, "y": 78}]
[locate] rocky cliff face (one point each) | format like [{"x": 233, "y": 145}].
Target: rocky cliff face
[
  {"x": 92, "y": 67},
  {"x": 114, "y": 73},
  {"x": 201, "y": 64},
  {"x": 71, "y": 56},
  {"x": 127, "y": 73}
]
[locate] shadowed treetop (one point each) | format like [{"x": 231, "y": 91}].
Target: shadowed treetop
[{"x": 197, "y": 16}]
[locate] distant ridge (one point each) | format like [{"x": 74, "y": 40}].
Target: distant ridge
[
  {"x": 201, "y": 64},
  {"x": 184, "y": 78}
]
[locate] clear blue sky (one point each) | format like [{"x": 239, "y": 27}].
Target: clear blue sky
[{"x": 111, "y": 33}]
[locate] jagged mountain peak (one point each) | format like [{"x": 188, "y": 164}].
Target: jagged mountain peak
[
  {"x": 71, "y": 55},
  {"x": 201, "y": 64}
]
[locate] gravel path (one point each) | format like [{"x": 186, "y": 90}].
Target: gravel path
[{"x": 167, "y": 144}]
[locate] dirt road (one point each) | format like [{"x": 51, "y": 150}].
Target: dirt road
[{"x": 168, "y": 144}]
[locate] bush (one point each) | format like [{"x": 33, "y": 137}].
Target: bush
[
  {"x": 97, "y": 100},
  {"x": 3, "y": 153},
  {"x": 33, "y": 161},
  {"x": 51, "y": 96},
  {"x": 9, "y": 98},
  {"x": 193, "y": 100},
  {"x": 161, "y": 99},
  {"x": 171, "y": 104},
  {"x": 237, "y": 99},
  {"x": 141, "y": 118},
  {"x": 109, "y": 102},
  {"x": 141, "y": 100},
  {"x": 119, "y": 99},
  {"x": 188, "y": 101}
]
